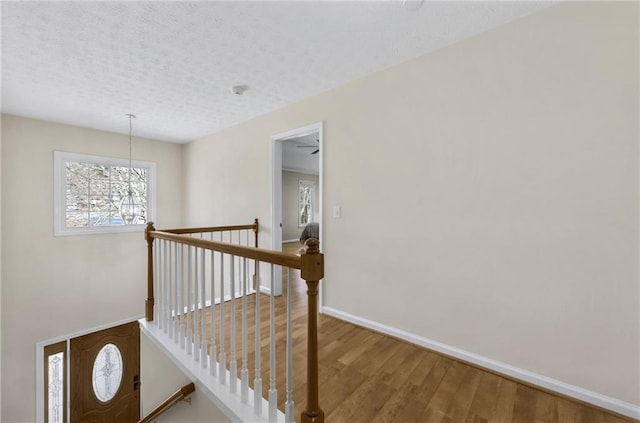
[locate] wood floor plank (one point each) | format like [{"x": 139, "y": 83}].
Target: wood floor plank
[
  {"x": 506, "y": 399},
  {"x": 463, "y": 397},
  {"x": 524, "y": 409},
  {"x": 546, "y": 409},
  {"x": 483, "y": 405}
]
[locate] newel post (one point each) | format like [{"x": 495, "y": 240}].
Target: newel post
[
  {"x": 255, "y": 231},
  {"x": 312, "y": 270},
  {"x": 150, "y": 301}
]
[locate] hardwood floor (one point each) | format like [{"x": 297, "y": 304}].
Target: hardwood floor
[{"x": 369, "y": 377}]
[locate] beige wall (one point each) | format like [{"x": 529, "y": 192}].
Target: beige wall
[
  {"x": 163, "y": 379},
  {"x": 53, "y": 286},
  {"x": 290, "y": 186},
  {"x": 489, "y": 194}
]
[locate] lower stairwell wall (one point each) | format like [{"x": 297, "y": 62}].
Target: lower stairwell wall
[{"x": 161, "y": 378}]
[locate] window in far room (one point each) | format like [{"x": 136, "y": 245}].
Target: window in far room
[
  {"x": 89, "y": 191},
  {"x": 305, "y": 202}
]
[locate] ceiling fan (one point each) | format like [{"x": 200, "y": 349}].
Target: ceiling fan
[{"x": 310, "y": 146}]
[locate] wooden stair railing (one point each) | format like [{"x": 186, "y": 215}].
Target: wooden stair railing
[
  {"x": 311, "y": 266},
  {"x": 179, "y": 395}
]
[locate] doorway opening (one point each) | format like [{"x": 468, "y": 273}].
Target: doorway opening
[{"x": 297, "y": 187}]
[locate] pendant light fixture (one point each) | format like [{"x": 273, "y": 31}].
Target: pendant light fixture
[{"x": 130, "y": 205}]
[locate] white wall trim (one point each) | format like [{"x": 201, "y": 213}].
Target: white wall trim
[
  {"x": 609, "y": 403},
  {"x": 276, "y": 191},
  {"x": 284, "y": 241},
  {"x": 304, "y": 172}
]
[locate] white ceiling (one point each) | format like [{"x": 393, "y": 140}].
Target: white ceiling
[{"x": 172, "y": 63}]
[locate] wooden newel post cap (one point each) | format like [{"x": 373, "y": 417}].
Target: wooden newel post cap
[
  {"x": 313, "y": 246},
  {"x": 148, "y": 229},
  {"x": 312, "y": 261}
]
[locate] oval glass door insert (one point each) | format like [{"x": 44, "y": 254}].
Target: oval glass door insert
[{"x": 107, "y": 372}]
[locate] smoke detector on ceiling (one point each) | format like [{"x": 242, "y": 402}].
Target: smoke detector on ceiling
[{"x": 239, "y": 89}]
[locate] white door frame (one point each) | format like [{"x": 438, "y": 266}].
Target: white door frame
[{"x": 276, "y": 185}]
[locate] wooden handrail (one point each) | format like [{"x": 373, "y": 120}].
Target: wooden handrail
[
  {"x": 178, "y": 396},
  {"x": 267, "y": 256},
  {"x": 210, "y": 229}
]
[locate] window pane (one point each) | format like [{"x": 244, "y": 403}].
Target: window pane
[
  {"x": 91, "y": 191},
  {"x": 107, "y": 372},
  {"x": 55, "y": 388},
  {"x": 77, "y": 219},
  {"x": 97, "y": 171}
]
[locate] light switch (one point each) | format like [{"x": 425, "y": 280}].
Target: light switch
[{"x": 337, "y": 212}]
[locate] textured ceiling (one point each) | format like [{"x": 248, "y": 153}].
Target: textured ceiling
[
  {"x": 297, "y": 154},
  {"x": 172, "y": 63}
]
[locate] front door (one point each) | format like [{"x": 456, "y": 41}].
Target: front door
[{"x": 105, "y": 376}]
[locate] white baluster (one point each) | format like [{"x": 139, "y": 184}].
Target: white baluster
[
  {"x": 196, "y": 309},
  {"x": 159, "y": 295},
  {"x": 273, "y": 392},
  {"x": 257, "y": 381},
  {"x": 163, "y": 276},
  {"x": 222, "y": 359},
  {"x": 203, "y": 312},
  {"x": 289, "y": 405},
  {"x": 179, "y": 294},
  {"x": 156, "y": 282},
  {"x": 212, "y": 353},
  {"x": 233, "y": 363},
  {"x": 244, "y": 372},
  {"x": 172, "y": 319},
  {"x": 167, "y": 286},
  {"x": 188, "y": 312}
]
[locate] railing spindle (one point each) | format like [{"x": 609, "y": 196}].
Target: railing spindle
[
  {"x": 203, "y": 312},
  {"x": 222, "y": 360},
  {"x": 156, "y": 280},
  {"x": 213, "y": 353},
  {"x": 179, "y": 295},
  {"x": 244, "y": 372},
  {"x": 273, "y": 392},
  {"x": 289, "y": 405},
  {"x": 233, "y": 364},
  {"x": 163, "y": 282},
  {"x": 170, "y": 293},
  {"x": 196, "y": 306},
  {"x": 189, "y": 312},
  {"x": 257, "y": 381}
]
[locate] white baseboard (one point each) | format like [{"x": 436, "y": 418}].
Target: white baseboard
[
  {"x": 613, "y": 404},
  {"x": 291, "y": 240}
]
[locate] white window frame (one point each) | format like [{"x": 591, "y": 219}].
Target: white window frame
[{"x": 60, "y": 198}]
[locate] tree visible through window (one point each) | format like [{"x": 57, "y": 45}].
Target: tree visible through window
[
  {"x": 94, "y": 193},
  {"x": 305, "y": 202},
  {"x": 91, "y": 189}
]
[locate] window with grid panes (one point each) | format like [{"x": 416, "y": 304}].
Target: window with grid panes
[{"x": 89, "y": 190}]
